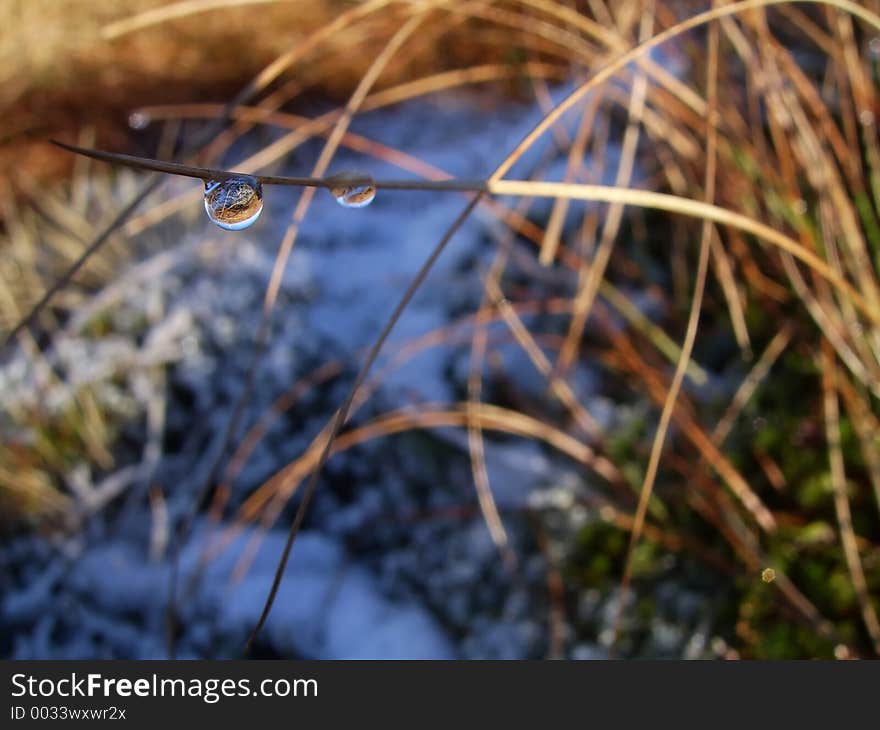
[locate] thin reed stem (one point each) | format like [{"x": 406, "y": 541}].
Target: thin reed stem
[
  {"x": 342, "y": 414},
  {"x": 212, "y": 174}
]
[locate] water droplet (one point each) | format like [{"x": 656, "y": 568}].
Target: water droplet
[
  {"x": 234, "y": 203},
  {"x": 866, "y": 117},
  {"x": 139, "y": 120},
  {"x": 352, "y": 189},
  {"x": 874, "y": 48}
]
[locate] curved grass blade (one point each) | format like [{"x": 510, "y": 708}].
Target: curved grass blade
[{"x": 340, "y": 417}]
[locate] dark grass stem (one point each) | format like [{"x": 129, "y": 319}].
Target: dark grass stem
[
  {"x": 342, "y": 414},
  {"x": 206, "y": 173}
]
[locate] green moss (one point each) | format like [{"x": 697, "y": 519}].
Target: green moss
[
  {"x": 645, "y": 559},
  {"x": 840, "y": 593},
  {"x": 815, "y": 491}
]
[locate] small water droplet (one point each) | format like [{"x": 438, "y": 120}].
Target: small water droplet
[
  {"x": 234, "y": 203},
  {"x": 139, "y": 120},
  {"x": 353, "y": 189},
  {"x": 866, "y": 117},
  {"x": 874, "y": 48}
]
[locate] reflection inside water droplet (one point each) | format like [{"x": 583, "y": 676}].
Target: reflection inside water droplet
[
  {"x": 138, "y": 120},
  {"x": 234, "y": 203},
  {"x": 353, "y": 189}
]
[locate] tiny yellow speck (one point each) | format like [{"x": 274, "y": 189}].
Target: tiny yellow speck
[{"x": 768, "y": 575}]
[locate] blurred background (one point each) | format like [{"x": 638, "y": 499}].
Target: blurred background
[{"x": 598, "y": 430}]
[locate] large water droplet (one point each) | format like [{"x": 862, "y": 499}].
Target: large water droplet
[
  {"x": 234, "y": 203},
  {"x": 353, "y": 189}
]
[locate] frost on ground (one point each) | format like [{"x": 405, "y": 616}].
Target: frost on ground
[{"x": 395, "y": 560}]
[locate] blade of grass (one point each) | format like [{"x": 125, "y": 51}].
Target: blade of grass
[
  {"x": 841, "y": 500},
  {"x": 586, "y": 295},
  {"x": 690, "y": 335},
  {"x": 342, "y": 413}
]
